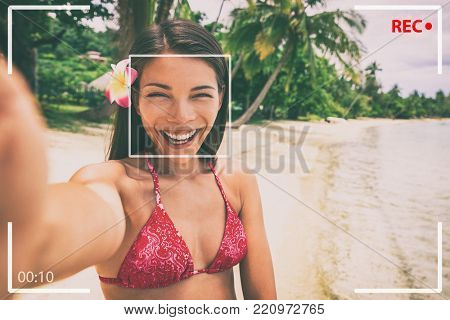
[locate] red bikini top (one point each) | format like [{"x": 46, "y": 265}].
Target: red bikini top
[{"x": 159, "y": 256}]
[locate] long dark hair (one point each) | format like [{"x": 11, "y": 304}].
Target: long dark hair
[{"x": 179, "y": 37}]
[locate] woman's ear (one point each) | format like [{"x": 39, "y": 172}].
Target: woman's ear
[
  {"x": 135, "y": 100},
  {"x": 135, "y": 103},
  {"x": 138, "y": 111}
]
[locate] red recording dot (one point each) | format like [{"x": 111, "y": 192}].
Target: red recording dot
[{"x": 428, "y": 26}]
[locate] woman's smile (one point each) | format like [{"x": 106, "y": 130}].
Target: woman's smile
[{"x": 180, "y": 140}]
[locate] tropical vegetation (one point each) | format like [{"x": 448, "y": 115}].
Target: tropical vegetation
[{"x": 292, "y": 59}]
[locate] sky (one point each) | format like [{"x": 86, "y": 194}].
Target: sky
[{"x": 409, "y": 61}]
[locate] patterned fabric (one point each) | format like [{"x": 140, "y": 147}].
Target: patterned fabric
[{"x": 159, "y": 256}]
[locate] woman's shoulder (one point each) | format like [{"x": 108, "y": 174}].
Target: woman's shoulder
[
  {"x": 102, "y": 172},
  {"x": 242, "y": 179},
  {"x": 234, "y": 168}
]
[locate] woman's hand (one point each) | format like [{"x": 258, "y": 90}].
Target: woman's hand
[{"x": 23, "y": 164}]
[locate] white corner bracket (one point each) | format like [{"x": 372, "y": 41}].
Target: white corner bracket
[
  {"x": 67, "y": 7},
  {"x": 31, "y": 290},
  {"x": 436, "y": 8},
  {"x": 418, "y": 290}
]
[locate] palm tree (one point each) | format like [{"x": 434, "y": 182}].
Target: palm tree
[
  {"x": 218, "y": 16},
  {"x": 370, "y": 87},
  {"x": 373, "y": 68},
  {"x": 135, "y": 15},
  {"x": 279, "y": 28}
]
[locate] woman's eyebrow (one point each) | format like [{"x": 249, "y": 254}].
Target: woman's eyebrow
[
  {"x": 202, "y": 87},
  {"x": 161, "y": 85}
]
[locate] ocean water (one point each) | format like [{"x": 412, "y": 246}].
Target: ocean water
[{"x": 386, "y": 192}]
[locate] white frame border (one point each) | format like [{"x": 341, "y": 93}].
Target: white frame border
[
  {"x": 227, "y": 127},
  {"x": 67, "y": 7}
]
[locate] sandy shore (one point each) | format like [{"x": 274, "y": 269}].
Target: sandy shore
[
  {"x": 293, "y": 202},
  {"x": 294, "y": 197}
]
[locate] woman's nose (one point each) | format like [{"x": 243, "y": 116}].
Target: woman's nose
[{"x": 182, "y": 112}]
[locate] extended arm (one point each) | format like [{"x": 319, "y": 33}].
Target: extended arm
[{"x": 62, "y": 228}]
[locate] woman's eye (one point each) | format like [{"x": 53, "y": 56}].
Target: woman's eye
[
  {"x": 202, "y": 95},
  {"x": 157, "y": 94}
]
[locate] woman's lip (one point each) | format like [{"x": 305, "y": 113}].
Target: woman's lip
[
  {"x": 180, "y": 146},
  {"x": 179, "y": 132}
]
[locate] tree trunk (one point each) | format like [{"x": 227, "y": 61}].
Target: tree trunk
[
  {"x": 218, "y": 17},
  {"x": 237, "y": 65},
  {"x": 163, "y": 10},
  {"x": 24, "y": 54},
  {"x": 36, "y": 79},
  {"x": 24, "y": 58},
  {"x": 133, "y": 18},
  {"x": 272, "y": 107},
  {"x": 260, "y": 98},
  {"x": 3, "y": 29}
]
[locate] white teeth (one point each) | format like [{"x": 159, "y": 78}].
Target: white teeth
[{"x": 181, "y": 137}]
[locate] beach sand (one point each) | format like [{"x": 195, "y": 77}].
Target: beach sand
[{"x": 311, "y": 251}]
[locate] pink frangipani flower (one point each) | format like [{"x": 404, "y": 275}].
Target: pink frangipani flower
[{"x": 118, "y": 87}]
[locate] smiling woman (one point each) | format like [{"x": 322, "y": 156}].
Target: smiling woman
[
  {"x": 166, "y": 228},
  {"x": 179, "y": 108}
]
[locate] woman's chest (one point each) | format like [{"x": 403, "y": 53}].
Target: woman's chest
[
  {"x": 187, "y": 201},
  {"x": 195, "y": 209}
]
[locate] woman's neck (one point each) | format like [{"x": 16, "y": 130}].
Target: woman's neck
[{"x": 174, "y": 167}]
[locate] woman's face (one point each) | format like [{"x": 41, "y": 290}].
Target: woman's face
[{"x": 178, "y": 102}]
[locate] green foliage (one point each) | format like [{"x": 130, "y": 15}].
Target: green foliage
[
  {"x": 309, "y": 86},
  {"x": 63, "y": 72},
  {"x": 69, "y": 118},
  {"x": 183, "y": 11},
  {"x": 77, "y": 41},
  {"x": 327, "y": 94},
  {"x": 95, "y": 98},
  {"x": 64, "y": 80},
  {"x": 32, "y": 28}
]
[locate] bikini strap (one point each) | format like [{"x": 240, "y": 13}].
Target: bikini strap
[
  {"x": 155, "y": 182},
  {"x": 219, "y": 184}
]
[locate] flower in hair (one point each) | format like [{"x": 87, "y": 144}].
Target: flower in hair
[{"x": 122, "y": 77}]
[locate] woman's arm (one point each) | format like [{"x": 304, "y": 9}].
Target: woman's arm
[
  {"x": 84, "y": 223},
  {"x": 64, "y": 227},
  {"x": 256, "y": 270}
]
